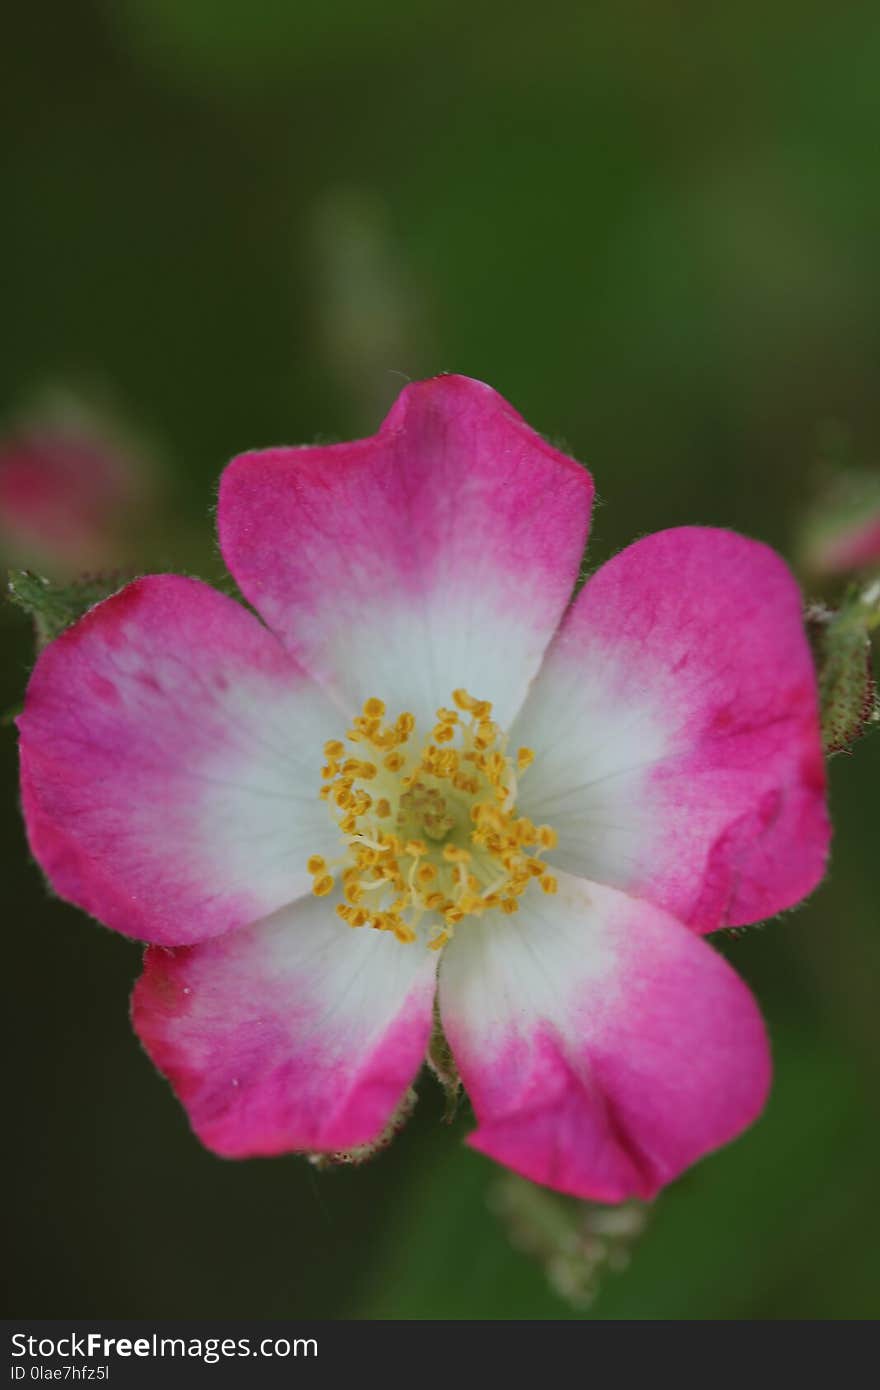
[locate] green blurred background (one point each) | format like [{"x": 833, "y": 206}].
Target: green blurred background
[{"x": 654, "y": 228}]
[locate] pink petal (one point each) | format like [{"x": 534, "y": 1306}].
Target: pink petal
[
  {"x": 604, "y": 1046},
  {"x": 440, "y": 553},
  {"x": 675, "y": 723},
  {"x": 296, "y": 1033},
  {"x": 171, "y": 754}
]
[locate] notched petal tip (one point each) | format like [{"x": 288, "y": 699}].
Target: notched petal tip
[{"x": 410, "y": 547}]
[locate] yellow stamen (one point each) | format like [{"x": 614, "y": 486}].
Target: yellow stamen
[{"x": 437, "y": 839}]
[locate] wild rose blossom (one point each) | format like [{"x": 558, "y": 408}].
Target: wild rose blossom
[{"x": 430, "y": 772}]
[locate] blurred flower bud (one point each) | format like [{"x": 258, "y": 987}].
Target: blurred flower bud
[
  {"x": 69, "y": 490},
  {"x": 841, "y": 533},
  {"x": 575, "y": 1242}
]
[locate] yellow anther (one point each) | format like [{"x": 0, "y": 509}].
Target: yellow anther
[
  {"x": 453, "y": 854},
  {"x": 496, "y": 766},
  {"x": 355, "y": 767},
  {"x": 384, "y": 738},
  {"x": 471, "y": 903},
  {"x": 487, "y": 817},
  {"x": 439, "y": 838},
  {"x": 485, "y": 735},
  {"x": 354, "y": 916}
]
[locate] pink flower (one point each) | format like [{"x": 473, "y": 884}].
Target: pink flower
[
  {"x": 650, "y": 770},
  {"x": 840, "y": 545},
  {"x": 65, "y": 494},
  {"x": 841, "y": 530}
]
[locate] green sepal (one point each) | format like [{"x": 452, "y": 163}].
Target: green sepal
[
  {"x": 841, "y": 642},
  {"x": 54, "y": 607},
  {"x": 442, "y": 1063},
  {"x": 364, "y": 1152}
]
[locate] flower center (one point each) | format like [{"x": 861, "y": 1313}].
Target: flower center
[{"x": 431, "y": 833}]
